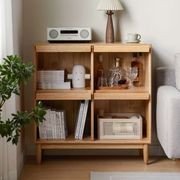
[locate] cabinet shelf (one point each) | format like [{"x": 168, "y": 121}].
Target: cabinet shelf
[
  {"x": 126, "y": 94},
  {"x": 114, "y": 100},
  {"x": 121, "y": 96},
  {"x": 69, "y": 140},
  {"x": 70, "y": 94},
  {"x": 116, "y": 47},
  {"x": 88, "y": 140},
  {"x": 46, "y": 47}
]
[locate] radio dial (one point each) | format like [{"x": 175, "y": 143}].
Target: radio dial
[
  {"x": 53, "y": 34},
  {"x": 84, "y": 34}
]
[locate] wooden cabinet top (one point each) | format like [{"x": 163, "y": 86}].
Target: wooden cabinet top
[{"x": 92, "y": 47}]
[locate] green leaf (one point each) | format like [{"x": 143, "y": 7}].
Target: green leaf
[{"x": 13, "y": 72}]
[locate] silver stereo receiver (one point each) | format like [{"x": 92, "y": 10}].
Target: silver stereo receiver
[{"x": 65, "y": 34}]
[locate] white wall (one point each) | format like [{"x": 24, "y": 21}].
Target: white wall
[{"x": 156, "y": 20}]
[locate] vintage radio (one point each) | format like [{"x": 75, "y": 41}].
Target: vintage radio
[{"x": 69, "y": 34}]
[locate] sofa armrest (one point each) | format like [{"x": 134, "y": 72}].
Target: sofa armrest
[
  {"x": 165, "y": 76},
  {"x": 168, "y": 120}
]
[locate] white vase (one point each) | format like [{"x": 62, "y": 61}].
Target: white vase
[{"x": 78, "y": 76}]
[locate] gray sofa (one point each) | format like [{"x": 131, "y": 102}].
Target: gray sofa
[{"x": 168, "y": 112}]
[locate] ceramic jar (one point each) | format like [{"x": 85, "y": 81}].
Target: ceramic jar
[{"x": 78, "y": 76}]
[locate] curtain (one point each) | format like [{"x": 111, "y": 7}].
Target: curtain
[{"x": 7, "y": 151}]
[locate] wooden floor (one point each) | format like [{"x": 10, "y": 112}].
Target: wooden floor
[{"x": 80, "y": 168}]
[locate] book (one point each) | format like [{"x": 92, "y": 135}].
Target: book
[
  {"x": 43, "y": 126},
  {"x": 78, "y": 120},
  {"x": 52, "y": 79},
  {"x": 54, "y": 126},
  {"x": 58, "y": 125},
  {"x": 54, "y": 76},
  {"x": 51, "y": 125},
  {"x": 63, "y": 125},
  {"x": 51, "y": 85},
  {"x": 83, "y": 121}
]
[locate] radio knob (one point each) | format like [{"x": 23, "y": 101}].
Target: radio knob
[
  {"x": 53, "y": 34},
  {"x": 84, "y": 33}
]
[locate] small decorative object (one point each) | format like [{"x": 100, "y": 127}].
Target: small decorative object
[
  {"x": 78, "y": 76},
  {"x": 133, "y": 38},
  {"x": 109, "y": 6}
]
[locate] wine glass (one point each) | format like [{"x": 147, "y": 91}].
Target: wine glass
[
  {"x": 132, "y": 73},
  {"x": 102, "y": 82}
]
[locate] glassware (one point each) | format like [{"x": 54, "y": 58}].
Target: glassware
[
  {"x": 137, "y": 63},
  {"x": 117, "y": 75},
  {"x": 132, "y": 73},
  {"x": 100, "y": 69},
  {"x": 101, "y": 79},
  {"x": 102, "y": 82}
]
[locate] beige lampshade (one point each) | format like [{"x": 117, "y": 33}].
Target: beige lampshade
[{"x": 106, "y": 5}]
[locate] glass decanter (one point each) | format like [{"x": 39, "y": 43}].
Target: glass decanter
[{"x": 117, "y": 75}]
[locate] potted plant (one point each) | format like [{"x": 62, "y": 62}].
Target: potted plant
[{"x": 14, "y": 72}]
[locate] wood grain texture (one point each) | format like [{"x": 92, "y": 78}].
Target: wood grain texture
[
  {"x": 65, "y": 47},
  {"x": 137, "y": 100},
  {"x": 79, "y": 168},
  {"x": 117, "y": 47},
  {"x": 63, "y": 95},
  {"x": 145, "y": 154}
]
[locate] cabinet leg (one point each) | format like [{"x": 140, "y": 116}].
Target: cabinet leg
[
  {"x": 38, "y": 154},
  {"x": 145, "y": 153}
]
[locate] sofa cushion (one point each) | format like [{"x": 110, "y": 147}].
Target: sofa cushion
[
  {"x": 165, "y": 76},
  {"x": 168, "y": 120}
]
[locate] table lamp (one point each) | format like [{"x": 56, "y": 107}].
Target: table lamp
[{"x": 109, "y": 6}]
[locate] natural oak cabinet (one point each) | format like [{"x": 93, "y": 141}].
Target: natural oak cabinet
[{"x": 137, "y": 100}]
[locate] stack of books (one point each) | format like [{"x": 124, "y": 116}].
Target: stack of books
[
  {"x": 81, "y": 119},
  {"x": 54, "y": 125},
  {"x": 52, "y": 79}
]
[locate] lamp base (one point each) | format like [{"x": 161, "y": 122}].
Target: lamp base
[{"x": 109, "y": 28}]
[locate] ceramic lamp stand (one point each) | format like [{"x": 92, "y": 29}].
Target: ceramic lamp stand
[{"x": 109, "y": 28}]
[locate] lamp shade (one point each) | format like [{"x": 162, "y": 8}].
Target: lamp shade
[{"x": 107, "y": 5}]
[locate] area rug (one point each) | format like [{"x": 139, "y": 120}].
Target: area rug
[{"x": 134, "y": 176}]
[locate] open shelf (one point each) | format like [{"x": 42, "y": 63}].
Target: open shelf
[
  {"x": 69, "y": 94},
  {"x": 65, "y": 47},
  {"x": 137, "y": 93},
  {"x": 69, "y": 140},
  {"x": 63, "y": 56},
  {"x": 126, "y": 47},
  {"x": 88, "y": 140}
]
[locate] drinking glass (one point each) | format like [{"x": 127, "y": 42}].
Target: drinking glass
[
  {"x": 132, "y": 73},
  {"x": 102, "y": 81}
]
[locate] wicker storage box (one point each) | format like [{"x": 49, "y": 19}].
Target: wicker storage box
[{"x": 120, "y": 126}]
